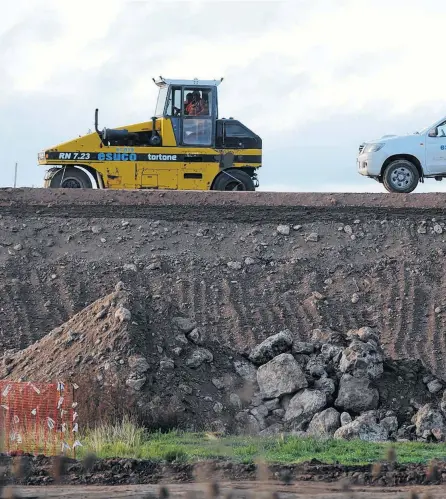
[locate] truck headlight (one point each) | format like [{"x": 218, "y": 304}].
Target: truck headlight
[{"x": 373, "y": 147}]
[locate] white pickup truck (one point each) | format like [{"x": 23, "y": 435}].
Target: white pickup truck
[{"x": 399, "y": 162}]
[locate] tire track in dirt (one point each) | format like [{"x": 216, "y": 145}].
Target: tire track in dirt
[
  {"x": 441, "y": 340},
  {"x": 411, "y": 298},
  {"x": 430, "y": 348},
  {"x": 400, "y": 314}
]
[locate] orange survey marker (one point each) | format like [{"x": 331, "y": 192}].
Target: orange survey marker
[{"x": 38, "y": 418}]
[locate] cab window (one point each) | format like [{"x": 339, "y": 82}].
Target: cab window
[
  {"x": 441, "y": 129},
  {"x": 197, "y": 101},
  {"x": 174, "y": 103},
  {"x": 197, "y": 132},
  {"x": 162, "y": 95},
  {"x": 234, "y": 130}
]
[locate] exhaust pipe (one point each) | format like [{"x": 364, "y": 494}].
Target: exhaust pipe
[{"x": 96, "y": 126}]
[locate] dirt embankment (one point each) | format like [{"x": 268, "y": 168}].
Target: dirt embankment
[{"x": 233, "y": 271}]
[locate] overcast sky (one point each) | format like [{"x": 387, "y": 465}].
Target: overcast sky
[{"x": 314, "y": 78}]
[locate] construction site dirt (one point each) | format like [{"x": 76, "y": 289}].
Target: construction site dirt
[
  {"x": 239, "y": 490},
  {"x": 243, "y": 266},
  {"x": 231, "y": 268},
  {"x": 306, "y": 481}
]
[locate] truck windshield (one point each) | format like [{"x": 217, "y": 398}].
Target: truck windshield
[{"x": 425, "y": 129}]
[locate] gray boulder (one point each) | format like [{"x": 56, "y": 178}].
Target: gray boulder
[
  {"x": 300, "y": 347},
  {"x": 362, "y": 430},
  {"x": 246, "y": 424},
  {"x": 434, "y": 386},
  {"x": 443, "y": 403},
  {"x": 368, "y": 417},
  {"x": 316, "y": 367},
  {"x": 390, "y": 424},
  {"x": 304, "y": 405},
  {"x": 280, "y": 376},
  {"x": 326, "y": 385},
  {"x": 272, "y": 404},
  {"x": 325, "y": 423},
  {"x": 272, "y": 430},
  {"x": 406, "y": 433},
  {"x": 260, "y": 413},
  {"x": 218, "y": 383},
  {"x": 331, "y": 352},
  {"x": 361, "y": 359},
  {"x": 184, "y": 324},
  {"x": 345, "y": 419},
  {"x": 123, "y": 314},
  {"x": 356, "y": 394},
  {"x": 138, "y": 364},
  {"x": 235, "y": 400},
  {"x": 328, "y": 336},
  {"x": 246, "y": 370},
  {"x": 429, "y": 421},
  {"x": 279, "y": 413},
  {"x": 167, "y": 364},
  {"x": 218, "y": 407},
  {"x": 365, "y": 334},
  {"x": 136, "y": 383},
  {"x": 302, "y": 359},
  {"x": 271, "y": 347},
  {"x": 196, "y": 336},
  {"x": 199, "y": 357}
]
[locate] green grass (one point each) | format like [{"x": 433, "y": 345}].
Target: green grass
[{"x": 126, "y": 440}]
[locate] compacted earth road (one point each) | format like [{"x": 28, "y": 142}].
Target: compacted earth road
[{"x": 299, "y": 490}]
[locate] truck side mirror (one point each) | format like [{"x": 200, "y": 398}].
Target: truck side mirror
[{"x": 433, "y": 132}]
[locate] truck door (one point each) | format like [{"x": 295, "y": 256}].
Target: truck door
[{"x": 436, "y": 150}]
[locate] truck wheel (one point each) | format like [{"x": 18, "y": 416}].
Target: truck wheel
[
  {"x": 401, "y": 176},
  {"x": 233, "y": 180},
  {"x": 70, "y": 178}
]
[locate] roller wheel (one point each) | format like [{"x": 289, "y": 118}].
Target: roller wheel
[
  {"x": 70, "y": 178},
  {"x": 233, "y": 180}
]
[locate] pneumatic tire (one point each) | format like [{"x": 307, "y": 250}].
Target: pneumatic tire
[
  {"x": 70, "y": 178},
  {"x": 401, "y": 176},
  {"x": 233, "y": 180}
]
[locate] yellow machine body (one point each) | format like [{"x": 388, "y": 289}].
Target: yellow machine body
[{"x": 172, "y": 151}]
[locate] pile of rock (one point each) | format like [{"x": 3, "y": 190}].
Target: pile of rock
[
  {"x": 335, "y": 385},
  {"x": 330, "y": 387}
]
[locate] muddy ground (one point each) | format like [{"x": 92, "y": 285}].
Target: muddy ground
[
  {"x": 127, "y": 478},
  {"x": 239, "y": 489}
]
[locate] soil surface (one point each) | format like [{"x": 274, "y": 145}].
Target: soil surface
[
  {"x": 128, "y": 478},
  {"x": 299, "y": 490}
]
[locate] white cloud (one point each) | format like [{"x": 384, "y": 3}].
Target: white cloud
[{"x": 292, "y": 69}]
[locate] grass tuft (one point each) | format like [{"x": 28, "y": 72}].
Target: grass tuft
[{"x": 128, "y": 440}]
